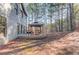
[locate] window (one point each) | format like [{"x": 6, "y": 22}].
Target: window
[{"x": 3, "y": 26}]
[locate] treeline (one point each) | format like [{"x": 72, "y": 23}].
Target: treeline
[{"x": 55, "y": 16}]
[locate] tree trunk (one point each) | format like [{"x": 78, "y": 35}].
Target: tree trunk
[
  {"x": 67, "y": 22},
  {"x": 59, "y": 19},
  {"x": 23, "y": 9},
  {"x": 71, "y": 17}
]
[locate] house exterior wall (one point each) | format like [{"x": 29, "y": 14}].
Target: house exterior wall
[
  {"x": 12, "y": 25},
  {"x": 12, "y": 21}
]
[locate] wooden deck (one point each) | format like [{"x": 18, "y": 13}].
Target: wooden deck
[{"x": 33, "y": 37}]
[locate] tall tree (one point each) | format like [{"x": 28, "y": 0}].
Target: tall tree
[
  {"x": 71, "y": 17},
  {"x": 51, "y": 11}
]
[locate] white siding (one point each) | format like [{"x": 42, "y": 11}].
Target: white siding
[
  {"x": 12, "y": 20},
  {"x": 12, "y": 25}
]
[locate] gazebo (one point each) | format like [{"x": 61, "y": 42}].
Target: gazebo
[{"x": 36, "y": 28}]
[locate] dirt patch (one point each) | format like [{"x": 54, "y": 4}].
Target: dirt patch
[{"x": 54, "y": 44}]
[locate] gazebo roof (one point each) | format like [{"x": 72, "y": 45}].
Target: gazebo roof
[{"x": 36, "y": 24}]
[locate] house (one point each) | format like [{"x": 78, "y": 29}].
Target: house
[{"x": 13, "y": 17}]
